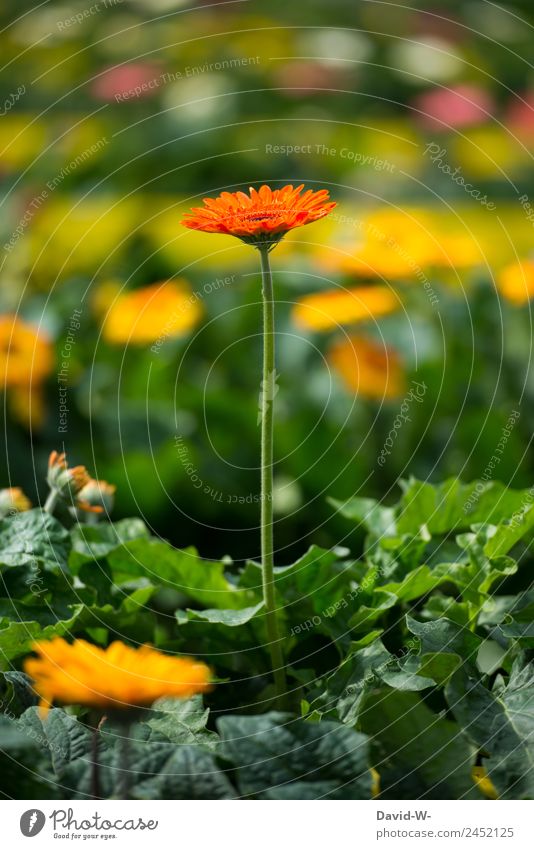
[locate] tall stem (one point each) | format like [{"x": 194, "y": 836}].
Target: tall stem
[{"x": 267, "y": 420}]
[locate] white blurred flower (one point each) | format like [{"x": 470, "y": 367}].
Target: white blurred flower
[{"x": 430, "y": 59}]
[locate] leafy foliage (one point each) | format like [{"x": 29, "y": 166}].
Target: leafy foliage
[{"x": 413, "y": 659}]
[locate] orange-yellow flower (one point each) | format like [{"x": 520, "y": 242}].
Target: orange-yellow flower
[
  {"x": 26, "y": 360},
  {"x": 516, "y": 282},
  {"x": 261, "y": 217},
  {"x": 158, "y": 311},
  {"x": 116, "y": 678},
  {"x": 367, "y": 368},
  {"x": 325, "y": 310},
  {"x": 13, "y": 500}
]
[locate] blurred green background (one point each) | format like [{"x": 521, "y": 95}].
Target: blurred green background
[{"x": 135, "y": 344}]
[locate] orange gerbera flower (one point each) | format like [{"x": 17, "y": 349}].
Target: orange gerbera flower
[
  {"x": 326, "y": 310},
  {"x": 116, "y": 678},
  {"x": 262, "y": 217}
]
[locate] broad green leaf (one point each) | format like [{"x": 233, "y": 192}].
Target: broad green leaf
[
  {"x": 366, "y": 616},
  {"x": 417, "y": 753},
  {"x": 188, "y": 773},
  {"x": 445, "y": 507},
  {"x": 501, "y": 724},
  {"x": 18, "y": 637},
  {"x": 417, "y": 583},
  {"x": 23, "y": 764},
  {"x": 33, "y": 537},
  {"x": 276, "y": 756},
  {"x": 182, "y": 721},
  {"x": 380, "y": 521},
  {"x": 61, "y": 735},
  {"x": 94, "y": 542},
  {"x": 232, "y": 618},
  {"x": 443, "y": 635},
  {"x": 203, "y": 581},
  {"x": 347, "y": 686}
]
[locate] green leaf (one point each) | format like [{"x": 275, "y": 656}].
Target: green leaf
[
  {"x": 33, "y": 537},
  {"x": 188, "y": 773},
  {"x": 94, "y": 542},
  {"x": 276, "y": 756},
  {"x": 347, "y": 686},
  {"x": 443, "y": 635},
  {"x": 22, "y": 762},
  {"x": 182, "y": 721},
  {"x": 63, "y": 737},
  {"x": 203, "y": 581},
  {"x": 417, "y": 753},
  {"x": 379, "y": 521},
  {"x": 366, "y": 616},
  {"x": 501, "y": 724},
  {"x": 231, "y": 618},
  {"x": 18, "y": 637},
  {"x": 444, "y": 507}
]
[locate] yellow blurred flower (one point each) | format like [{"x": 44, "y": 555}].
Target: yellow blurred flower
[
  {"x": 325, "y": 310},
  {"x": 403, "y": 244},
  {"x": 368, "y": 368},
  {"x": 516, "y": 282},
  {"x": 145, "y": 315},
  {"x": 116, "y": 678},
  {"x": 484, "y": 784},
  {"x": 22, "y": 139},
  {"x": 13, "y": 500},
  {"x": 26, "y": 360}
]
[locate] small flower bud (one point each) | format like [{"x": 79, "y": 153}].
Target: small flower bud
[
  {"x": 64, "y": 481},
  {"x": 97, "y": 494}
]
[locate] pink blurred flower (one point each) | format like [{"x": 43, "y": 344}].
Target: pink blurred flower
[
  {"x": 137, "y": 79},
  {"x": 462, "y": 106},
  {"x": 306, "y": 78},
  {"x": 520, "y": 114}
]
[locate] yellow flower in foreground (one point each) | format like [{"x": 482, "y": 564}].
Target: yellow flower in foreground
[
  {"x": 368, "y": 368},
  {"x": 325, "y": 310},
  {"x": 516, "y": 282},
  {"x": 154, "y": 312},
  {"x": 13, "y": 500},
  {"x": 116, "y": 678},
  {"x": 484, "y": 784}
]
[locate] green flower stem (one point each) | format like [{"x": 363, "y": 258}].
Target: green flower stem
[
  {"x": 51, "y": 501},
  {"x": 123, "y": 760},
  {"x": 267, "y": 420}
]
